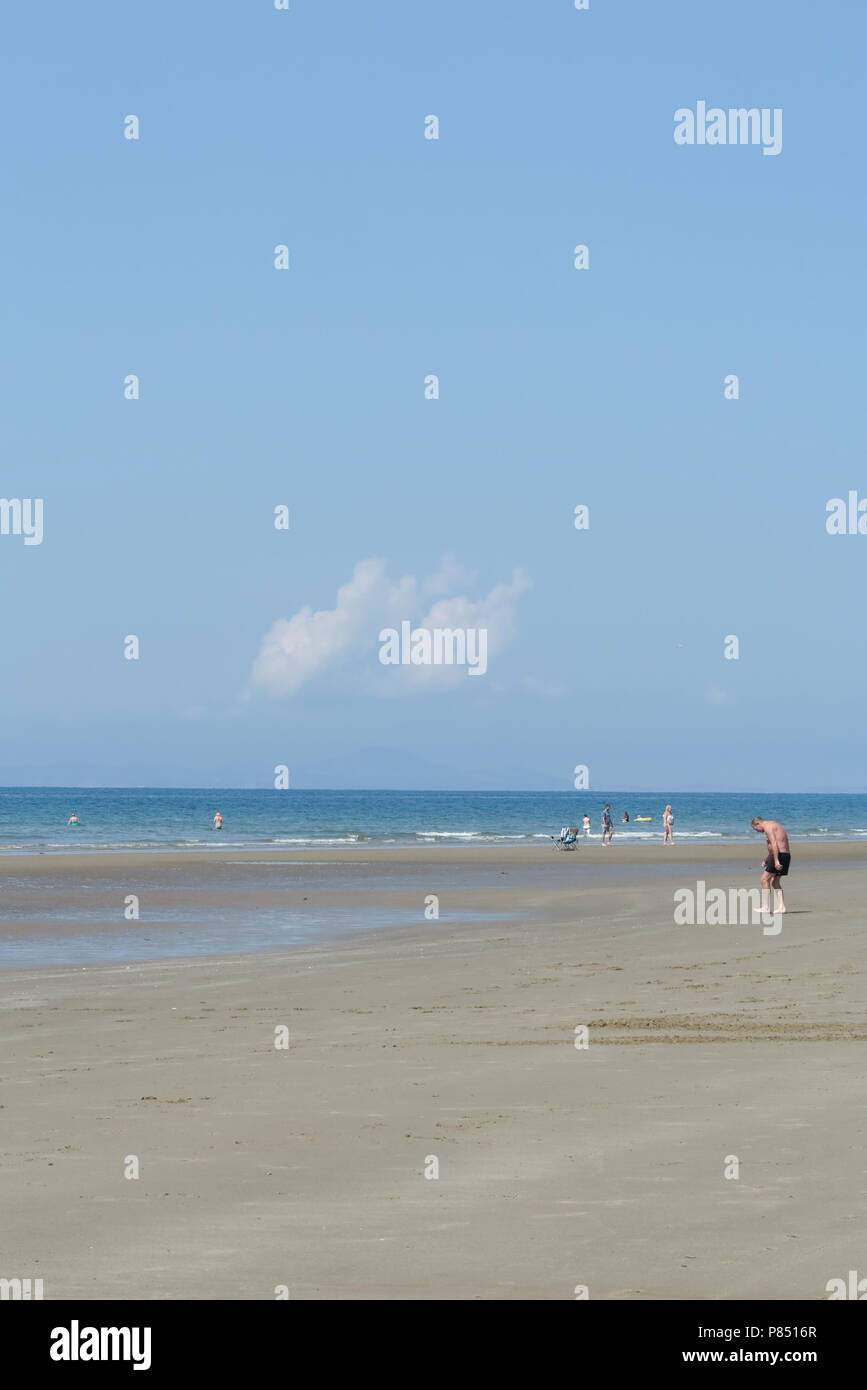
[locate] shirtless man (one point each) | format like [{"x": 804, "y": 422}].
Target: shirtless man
[{"x": 776, "y": 866}]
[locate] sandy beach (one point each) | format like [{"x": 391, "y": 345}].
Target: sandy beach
[{"x": 450, "y": 1039}]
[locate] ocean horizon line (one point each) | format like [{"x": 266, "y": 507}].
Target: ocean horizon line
[{"x": 427, "y": 791}]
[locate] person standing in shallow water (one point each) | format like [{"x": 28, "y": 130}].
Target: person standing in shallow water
[
  {"x": 776, "y": 866},
  {"x": 607, "y": 824},
  {"x": 668, "y": 822},
  {"x": 218, "y": 821}
]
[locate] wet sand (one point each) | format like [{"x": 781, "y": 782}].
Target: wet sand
[{"x": 447, "y": 1040}]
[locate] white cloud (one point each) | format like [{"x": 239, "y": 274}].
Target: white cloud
[
  {"x": 345, "y": 638},
  {"x": 448, "y": 577},
  {"x": 294, "y": 649}
]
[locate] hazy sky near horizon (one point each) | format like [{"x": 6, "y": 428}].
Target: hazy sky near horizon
[{"x": 306, "y": 387}]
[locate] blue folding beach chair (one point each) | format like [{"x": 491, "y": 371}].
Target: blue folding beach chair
[{"x": 567, "y": 839}]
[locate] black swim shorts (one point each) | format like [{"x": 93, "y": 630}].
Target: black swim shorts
[{"x": 784, "y": 861}]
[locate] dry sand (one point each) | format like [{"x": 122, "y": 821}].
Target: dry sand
[{"x": 558, "y": 1167}]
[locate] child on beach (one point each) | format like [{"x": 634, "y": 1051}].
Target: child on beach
[{"x": 586, "y": 824}]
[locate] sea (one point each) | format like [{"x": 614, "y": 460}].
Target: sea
[
  {"x": 34, "y": 819},
  {"x": 233, "y": 905}
]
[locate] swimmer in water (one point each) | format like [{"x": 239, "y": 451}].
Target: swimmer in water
[
  {"x": 218, "y": 821},
  {"x": 73, "y": 820}
]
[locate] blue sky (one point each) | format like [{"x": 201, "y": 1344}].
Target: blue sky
[{"x": 557, "y": 387}]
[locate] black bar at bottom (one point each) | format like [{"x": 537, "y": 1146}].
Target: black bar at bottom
[{"x": 226, "y": 1338}]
